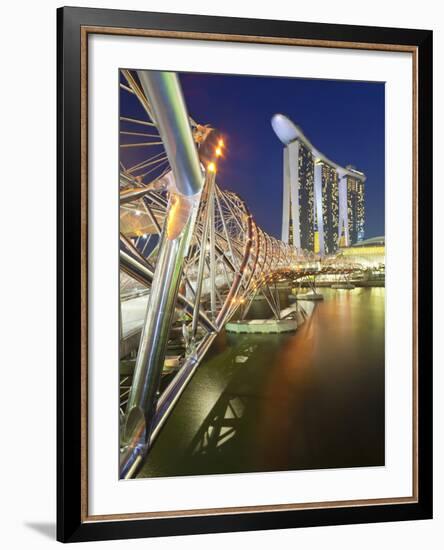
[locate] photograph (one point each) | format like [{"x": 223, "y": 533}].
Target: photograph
[
  {"x": 244, "y": 252},
  {"x": 251, "y": 273}
]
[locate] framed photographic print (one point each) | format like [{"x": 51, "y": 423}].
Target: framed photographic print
[{"x": 244, "y": 274}]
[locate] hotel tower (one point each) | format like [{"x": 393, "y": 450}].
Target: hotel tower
[{"x": 323, "y": 203}]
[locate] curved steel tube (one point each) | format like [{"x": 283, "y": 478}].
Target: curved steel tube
[{"x": 165, "y": 96}]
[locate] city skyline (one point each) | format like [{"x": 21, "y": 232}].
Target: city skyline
[{"x": 344, "y": 119}]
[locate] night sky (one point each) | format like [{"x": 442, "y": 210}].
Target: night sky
[{"x": 342, "y": 119}]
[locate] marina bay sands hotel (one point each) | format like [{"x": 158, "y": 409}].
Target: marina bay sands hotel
[{"x": 323, "y": 203}]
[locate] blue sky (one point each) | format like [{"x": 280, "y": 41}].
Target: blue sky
[{"x": 343, "y": 119}]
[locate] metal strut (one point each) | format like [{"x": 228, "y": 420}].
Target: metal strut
[{"x": 165, "y": 97}]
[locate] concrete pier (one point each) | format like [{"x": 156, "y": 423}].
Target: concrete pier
[
  {"x": 263, "y": 326},
  {"x": 290, "y": 319},
  {"x": 311, "y": 296}
]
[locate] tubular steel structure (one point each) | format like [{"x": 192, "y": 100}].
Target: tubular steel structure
[{"x": 193, "y": 249}]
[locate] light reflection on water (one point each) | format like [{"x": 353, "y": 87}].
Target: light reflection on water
[{"x": 310, "y": 399}]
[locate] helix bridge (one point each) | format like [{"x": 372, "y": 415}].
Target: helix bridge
[{"x": 190, "y": 252}]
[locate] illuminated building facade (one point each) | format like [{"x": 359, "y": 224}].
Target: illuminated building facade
[
  {"x": 323, "y": 203},
  {"x": 369, "y": 253},
  {"x": 298, "y": 203},
  {"x": 306, "y": 197},
  {"x": 330, "y": 207},
  {"x": 355, "y": 209}
]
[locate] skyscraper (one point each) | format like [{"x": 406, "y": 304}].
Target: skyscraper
[
  {"x": 298, "y": 199},
  {"x": 323, "y": 203},
  {"x": 330, "y": 206}
]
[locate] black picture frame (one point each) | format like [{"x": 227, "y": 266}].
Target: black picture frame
[{"x": 73, "y": 523}]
